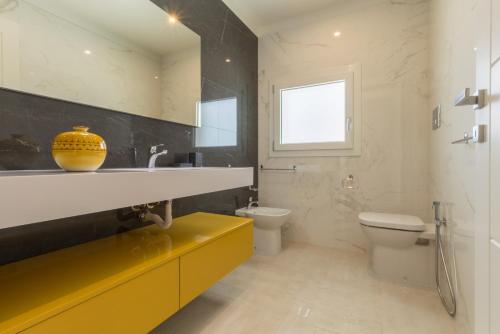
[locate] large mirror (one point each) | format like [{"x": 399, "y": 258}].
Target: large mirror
[{"x": 128, "y": 56}]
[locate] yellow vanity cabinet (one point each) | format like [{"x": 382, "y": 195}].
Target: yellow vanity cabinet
[
  {"x": 137, "y": 306},
  {"x": 203, "y": 267},
  {"x": 128, "y": 283}
]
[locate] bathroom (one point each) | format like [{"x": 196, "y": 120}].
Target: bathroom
[{"x": 287, "y": 166}]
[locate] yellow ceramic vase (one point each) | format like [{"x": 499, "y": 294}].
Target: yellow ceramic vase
[{"x": 79, "y": 150}]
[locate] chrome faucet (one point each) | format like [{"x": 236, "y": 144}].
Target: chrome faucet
[
  {"x": 154, "y": 154},
  {"x": 252, "y": 203}
]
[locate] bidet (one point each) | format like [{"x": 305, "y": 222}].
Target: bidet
[{"x": 267, "y": 227}]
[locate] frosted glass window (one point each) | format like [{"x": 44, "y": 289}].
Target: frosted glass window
[
  {"x": 313, "y": 113},
  {"x": 316, "y": 114},
  {"x": 218, "y": 123}
]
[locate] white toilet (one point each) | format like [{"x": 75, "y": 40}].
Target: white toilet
[
  {"x": 394, "y": 254},
  {"x": 267, "y": 227}
]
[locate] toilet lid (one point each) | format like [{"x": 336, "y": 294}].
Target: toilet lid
[{"x": 391, "y": 221}]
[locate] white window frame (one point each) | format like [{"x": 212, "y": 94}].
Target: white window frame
[{"x": 351, "y": 74}]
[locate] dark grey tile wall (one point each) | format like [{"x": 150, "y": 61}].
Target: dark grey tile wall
[{"x": 28, "y": 124}]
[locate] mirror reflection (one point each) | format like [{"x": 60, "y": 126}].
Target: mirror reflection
[
  {"x": 218, "y": 123},
  {"x": 128, "y": 56}
]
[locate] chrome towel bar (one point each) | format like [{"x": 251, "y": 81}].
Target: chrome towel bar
[{"x": 293, "y": 169}]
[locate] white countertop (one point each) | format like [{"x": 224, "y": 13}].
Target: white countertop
[{"x": 39, "y": 195}]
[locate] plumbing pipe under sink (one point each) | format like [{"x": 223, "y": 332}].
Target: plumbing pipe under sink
[{"x": 145, "y": 214}]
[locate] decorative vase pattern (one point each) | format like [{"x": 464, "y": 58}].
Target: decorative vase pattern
[{"x": 79, "y": 150}]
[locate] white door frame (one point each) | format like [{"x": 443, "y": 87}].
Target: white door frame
[{"x": 483, "y": 16}]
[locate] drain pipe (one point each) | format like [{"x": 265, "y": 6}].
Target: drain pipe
[{"x": 145, "y": 214}]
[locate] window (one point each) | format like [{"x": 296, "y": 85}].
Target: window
[
  {"x": 318, "y": 115},
  {"x": 218, "y": 123}
]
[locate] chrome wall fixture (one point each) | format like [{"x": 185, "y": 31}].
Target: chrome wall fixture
[
  {"x": 436, "y": 118},
  {"x": 465, "y": 140},
  {"x": 478, "y": 100},
  {"x": 348, "y": 182},
  {"x": 451, "y": 306},
  {"x": 478, "y": 135},
  {"x": 293, "y": 169}
]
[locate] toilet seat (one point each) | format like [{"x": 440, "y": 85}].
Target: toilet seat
[{"x": 392, "y": 221}]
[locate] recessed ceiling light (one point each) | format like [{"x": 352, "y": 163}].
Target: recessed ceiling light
[
  {"x": 228, "y": 60},
  {"x": 337, "y": 34},
  {"x": 172, "y": 18},
  {"x": 157, "y": 77},
  {"x": 87, "y": 52}
]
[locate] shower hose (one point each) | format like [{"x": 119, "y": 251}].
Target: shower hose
[{"x": 451, "y": 308}]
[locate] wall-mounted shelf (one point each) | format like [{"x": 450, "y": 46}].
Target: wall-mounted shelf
[{"x": 28, "y": 197}]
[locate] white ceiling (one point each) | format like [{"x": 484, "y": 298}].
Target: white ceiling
[{"x": 259, "y": 15}]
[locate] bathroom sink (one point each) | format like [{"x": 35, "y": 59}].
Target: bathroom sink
[
  {"x": 31, "y": 172},
  {"x": 156, "y": 169},
  {"x": 56, "y": 194},
  {"x": 100, "y": 171},
  {"x": 265, "y": 216}
]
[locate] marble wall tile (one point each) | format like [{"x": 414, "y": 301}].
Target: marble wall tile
[
  {"x": 39, "y": 119},
  {"x": 452, "y": 167},
  {"x": 390, "y": 41},
  {"x": 180, "y": 87},
  {"x": 52, "y": 62}
]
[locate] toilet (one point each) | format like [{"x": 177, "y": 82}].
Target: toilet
[{"x": 394, "y": 252}]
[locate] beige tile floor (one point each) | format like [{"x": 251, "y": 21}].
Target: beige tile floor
[{"x": 308, "y": 289}]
